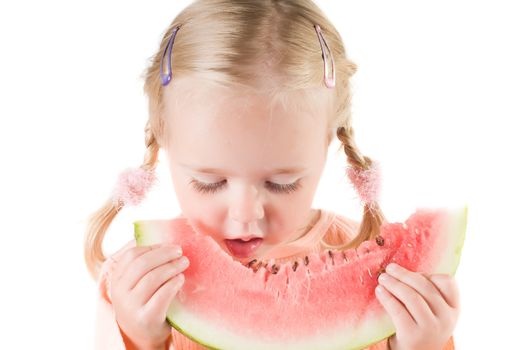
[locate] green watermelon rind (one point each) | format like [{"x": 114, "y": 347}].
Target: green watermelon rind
[
  {"x": 456, "y": 228},
  {"x": 208, "y": 346},
  {"x": 384, "y": 328},
  {"x": 143, "y": 239}
]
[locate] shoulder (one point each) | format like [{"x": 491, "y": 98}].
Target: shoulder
[
  {"x": 346, "y": 223},
  {"x": 341, "y": 229},
  {"x": 339, "y": 221}
]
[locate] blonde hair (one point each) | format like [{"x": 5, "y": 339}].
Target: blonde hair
[{"x": 241, "y": 44}]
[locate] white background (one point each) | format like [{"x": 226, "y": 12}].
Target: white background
[{"x": 439, "y": 100}]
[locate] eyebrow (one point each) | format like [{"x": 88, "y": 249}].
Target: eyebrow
[{"x": 293, "y": 170}]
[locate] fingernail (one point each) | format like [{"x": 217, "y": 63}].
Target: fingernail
[
  {"x": 379, "y": 290},
  {"x": 382, "y": 278},
  {"x": 391, "y": 268}
]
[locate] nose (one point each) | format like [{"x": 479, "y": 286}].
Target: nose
[{"x": 246, "y": 205}]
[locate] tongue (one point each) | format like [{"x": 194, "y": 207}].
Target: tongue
[{"x": 242, "y": 249}]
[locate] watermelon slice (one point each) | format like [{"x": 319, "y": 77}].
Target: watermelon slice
[{"x": 323, "y": 301}]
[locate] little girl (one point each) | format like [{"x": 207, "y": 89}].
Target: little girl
[{"x": 245, "y": 97}]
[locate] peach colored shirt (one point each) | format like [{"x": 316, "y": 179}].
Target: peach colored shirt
[{"x": 334, "y": 229}]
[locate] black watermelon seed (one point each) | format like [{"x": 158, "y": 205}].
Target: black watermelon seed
[
  {"x": 379, "y": 240},
  {"x": 295, "y": 265},
  {"x": 258, "y": 266},
  {"x": 344, "y": 256},
  {"x": 274, "y": 269},
  {"x": 251, "y": 262},
  {"x": 331, "y": 256},
  {"x": 383, "y": 269},
  {"x": 306, "y": 260}
]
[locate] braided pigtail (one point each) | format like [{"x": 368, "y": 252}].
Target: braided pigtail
[
  {"x": 364, "y": 174},
  {"x": 101, "y": 219}
]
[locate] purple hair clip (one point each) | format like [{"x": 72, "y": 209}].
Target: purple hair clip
[
  {"x": 166, "y": 77},
  {"x": 329, "y": 81}
]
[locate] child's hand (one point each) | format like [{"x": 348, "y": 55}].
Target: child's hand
[
  {"x": 144, "y": 282},
  {"x": 423, "y": 308}
]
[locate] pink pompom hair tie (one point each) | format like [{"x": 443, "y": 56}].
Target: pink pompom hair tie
[
  {"x": 367, "y": 182},
  {"x": 132, "y": 186}
]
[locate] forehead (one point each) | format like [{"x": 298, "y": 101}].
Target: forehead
[{"x": 215, "y": 127}]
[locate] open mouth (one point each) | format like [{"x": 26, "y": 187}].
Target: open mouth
[{"x": 243, "y": 249}]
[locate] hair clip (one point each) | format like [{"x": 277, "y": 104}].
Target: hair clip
[
  {"x": 329, "y": 81},
  {"x": 166, "y": 77}
]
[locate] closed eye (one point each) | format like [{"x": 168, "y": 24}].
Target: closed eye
[{"x": 271, "y": 186}]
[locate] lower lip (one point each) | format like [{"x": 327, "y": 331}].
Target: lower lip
[{"x": 241, "y": 249}]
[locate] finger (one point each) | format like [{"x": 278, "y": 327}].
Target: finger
[
  {"x": 160, "y": 301},
  {"x": 448, "y": 288},
  {"x": 411, "y": 299},
  {"x": 117, "y": 255},
  {"x": 422, "y": 285},
  {"x": 147, "y": 262},
  {"x": 400, "y": 316},
  {"x": 113, "y": 258},
  {"x": 125, "y": 258},
  {"x": 150, "y": 282}
]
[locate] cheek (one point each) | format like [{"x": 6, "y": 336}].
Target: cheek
[
  {"x": 202, "y": 213},
  {"x": 297, "y": 210},
  {"x": 288, "y": 214},
  {"x": 192, "y": 203},
  {"x": 197, "y": 206}
]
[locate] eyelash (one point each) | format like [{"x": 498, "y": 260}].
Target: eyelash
[{"x": 276, "y": 188}]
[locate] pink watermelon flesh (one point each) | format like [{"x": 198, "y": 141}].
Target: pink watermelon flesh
[{"x": 327, "y": 304}]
